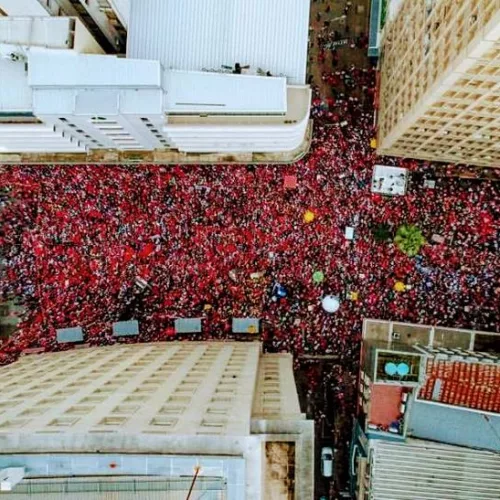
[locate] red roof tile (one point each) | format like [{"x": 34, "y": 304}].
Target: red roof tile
[{"x": 473, "y": 385}]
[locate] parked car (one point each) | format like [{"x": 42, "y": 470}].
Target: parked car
[{"x": 326, "y": 461}]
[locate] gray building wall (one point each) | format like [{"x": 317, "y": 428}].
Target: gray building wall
[{"x": 451, "y": 425}]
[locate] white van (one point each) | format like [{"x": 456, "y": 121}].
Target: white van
[{"x": 326, "y": 461}]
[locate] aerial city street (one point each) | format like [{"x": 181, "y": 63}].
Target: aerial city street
[{"x": 326, "y": 210}]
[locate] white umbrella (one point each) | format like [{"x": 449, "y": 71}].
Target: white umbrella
[{"x": 330, "y": 303}]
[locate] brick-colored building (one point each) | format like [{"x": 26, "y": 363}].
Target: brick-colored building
[{"x": 439, "y": 94}]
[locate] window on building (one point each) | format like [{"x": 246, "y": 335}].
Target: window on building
[
  {"x": 172, "y": 410},
  {"x": 33, "y": 412},
  {"x": 80, "y": 410},
  {"x": 179, "y": 399},
  {"x": 113, "y": 421},
  {"x": 219, "y": 424},
  {"x": 164, "y": 421},
  {"x": 217, "y": 411},
  {"x": 64, "y": 422},
  {"x": 16, "y": 422},
  {"x": 126, "y": 409}
]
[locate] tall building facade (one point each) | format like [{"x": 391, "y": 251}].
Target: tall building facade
[
  {"x": 439, "y": 96},
  {"x": 152, "y": 417}
]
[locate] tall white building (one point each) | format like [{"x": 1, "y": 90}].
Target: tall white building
[
  {"x": 218, "y": 76},
  {"x": 140, "y": 419}
]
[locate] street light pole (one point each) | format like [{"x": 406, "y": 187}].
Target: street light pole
[{"x": 196, "y": 472}]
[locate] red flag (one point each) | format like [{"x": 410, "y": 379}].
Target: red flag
[
  {"x": 128, "y": 254},
  {"x": 147, "y": 250}
]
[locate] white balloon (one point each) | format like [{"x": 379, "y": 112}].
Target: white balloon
[{"x": 330, "y": 303}]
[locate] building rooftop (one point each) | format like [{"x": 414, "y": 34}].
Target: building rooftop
[
  {"x": 439, "y": 96},
  {"x": 189, "y": 92},
  {"x": 156, "y": 409},
  {"x": 70, "y": 69},
  {"x": 461, "y": 383},
  {"x": 59, "y": 477},
  {"x": 456, "y": 398},
  {"x": 386, "y": 404},
  {"x": 136, "y": 394},
  {"x": 81, "y": 102},
  {"x": 297, "y": 108},
  {"x": 423, "y": 470},
  {"x": 193, "y": 35}
]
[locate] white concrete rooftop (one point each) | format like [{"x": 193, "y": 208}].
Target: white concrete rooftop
[
  {"x": 69, "y": 69},
  {"x": 206, "y": 34},
  {"x": 216, "y": 93}
]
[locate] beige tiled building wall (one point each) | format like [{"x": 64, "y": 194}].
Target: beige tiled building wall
[
  {"x": 182, "y": 388},
  {"x": 440, "y": 82},
  {"x": 194, "y": 399},
  {"x": 275, "y": 393}
]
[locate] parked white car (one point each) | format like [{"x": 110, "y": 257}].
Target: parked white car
[{"x": 326, "y": 461}]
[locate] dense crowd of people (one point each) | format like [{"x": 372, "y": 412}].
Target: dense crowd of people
[
  {"x": 90, "y": 245},
  {"x": 93, "y": 244}
]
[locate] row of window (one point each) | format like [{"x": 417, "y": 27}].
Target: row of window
[
  {"x": 181, "y": 396},
  {"x": 154, "y": 131}
]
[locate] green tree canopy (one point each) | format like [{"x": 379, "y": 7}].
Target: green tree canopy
[{"x": 409, "y": 239}]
